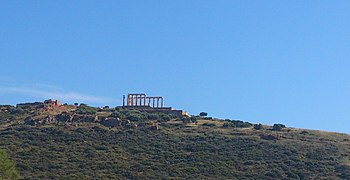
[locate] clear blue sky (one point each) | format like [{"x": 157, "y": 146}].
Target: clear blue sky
[{"x": 259, "y": 61}]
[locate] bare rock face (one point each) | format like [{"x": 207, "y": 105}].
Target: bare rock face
[
  {"x": 111, "y": 122},
  {"x": 48, "y": 120},
  {"x": 30, "y": 121},
  {"x": 71, "y": 117},
  {"x": 154, "y": 127},
  {"x": 65, "y": 117},
  {"x": 37, "y": 122},
  {"x": 114, "y": 122},
  {"x": 96, "y": 119},
  {"x": 125, "y": 122},
  {"x": 130, "y": 125}
]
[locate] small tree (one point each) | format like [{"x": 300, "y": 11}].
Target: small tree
[
  {"x": 153, "y": 116},
  {"x": 165, "y": 117},
  {"x": 186, "y": 119},
  {"x": 118, "y": 114},
  {"x": 7, "y": 167},
  {"x": 278, "y": 127},
  {"x": 203, "y": 114},
  {"x": 228, "y": 124},
  {"x": 194, "y": 119},
  {"x": 258, "y": 126},
  {"x": 136, "y": 116}
]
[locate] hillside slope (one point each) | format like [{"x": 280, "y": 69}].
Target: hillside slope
[{"x": 84, "y": 142}]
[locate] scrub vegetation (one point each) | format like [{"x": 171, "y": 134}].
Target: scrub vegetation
[{"x": 83, "y": 142}]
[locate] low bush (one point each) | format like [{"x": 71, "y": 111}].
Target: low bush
[
  {"x": 236, "y": 123},
  {"x": 209, "y": 124},
  {"x": 258, "y": 126},
  {"x": 185, "y": 119},
  {"x": 7, "y": 167},
  {"x": 203, "y": 114},
  {"x": 194, "y": 119},
  {"x": 85, "y": 109},
  {"x": 278, "y": 127}
]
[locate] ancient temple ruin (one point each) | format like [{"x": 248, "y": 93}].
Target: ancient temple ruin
[{"x": 142, "y": 102}]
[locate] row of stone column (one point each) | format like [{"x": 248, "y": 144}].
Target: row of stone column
[
  {"x": 154, "y": 102},
  {"x": 136, "y": 100},
  {"x": 143, "y": 100}
]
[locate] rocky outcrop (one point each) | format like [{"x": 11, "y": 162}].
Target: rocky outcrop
[
  {"x": 70, "y": 117},
  {"x": 6, "y": 108},
  {"x": 154, "y": 127},
  {"x": 84, "y": 118},
  {"x": 30, "y": 121},
  {"x": 114, "y": 122},
  {"x": 37, "y": 122},
  {"x": 111, "y": 122},
  {"x": 74, "y": 119},
  {"x": 65, "y": 117},
  {"x": 48, "y": 120}
]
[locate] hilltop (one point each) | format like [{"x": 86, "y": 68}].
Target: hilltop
[{"x": 47, "y": 140}]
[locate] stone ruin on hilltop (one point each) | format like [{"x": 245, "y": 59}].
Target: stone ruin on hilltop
[{"x": 145, "y": 103}]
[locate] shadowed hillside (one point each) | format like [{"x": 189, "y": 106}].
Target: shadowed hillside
[{"x": 83, "y": 142}]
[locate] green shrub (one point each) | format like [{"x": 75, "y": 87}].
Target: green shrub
[
  {"x": 227, "y": 125},
  {"x": 118, "y": 114},
  {"x": 135, "y": 117},
  {"x": 292, "y": 175},
  {"x": 241, "y": 124},
  {"x": 185, "y": 119},
  {"x": 258, "y": 126},
  {"x": 203, "y": 114},
  {"x": 7, "y": 167},
  {"x": 16, "y": 110},
  {"x": 209, "y": 124},
  {"x": 153, "y": 116},
  {"x": 278, "y": 127},
  {"x": 165, "y": 117},
  {"x": 85, "y": 109},
  {"x": 236, "y": 123},
  {"x": 194, "y": 119}
]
